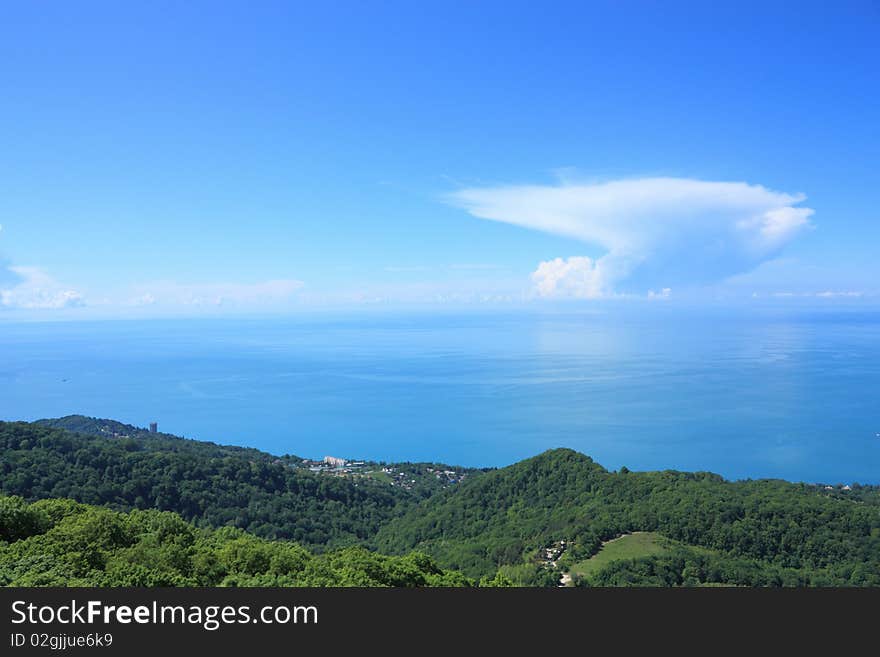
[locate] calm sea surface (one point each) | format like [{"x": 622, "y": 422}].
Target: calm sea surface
[{"x": 774, "y": 396}]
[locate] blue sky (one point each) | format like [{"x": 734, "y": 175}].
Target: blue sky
[{"x": 203, "y": 158}]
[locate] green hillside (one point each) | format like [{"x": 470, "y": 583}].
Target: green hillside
[
  {"x": 59, "y": 542},
  {"x": 792, "y": 533},
  {"x": 209, "y": 484},
  {"x": 627, "y": 547}
]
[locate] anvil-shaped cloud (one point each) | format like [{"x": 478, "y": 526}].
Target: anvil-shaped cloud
[{"x": 656, "y": 232}]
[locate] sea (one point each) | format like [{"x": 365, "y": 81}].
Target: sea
[{"x": 790, "y": 395}]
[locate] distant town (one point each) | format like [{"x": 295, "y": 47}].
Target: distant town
[{"x": 407, "y": 476}]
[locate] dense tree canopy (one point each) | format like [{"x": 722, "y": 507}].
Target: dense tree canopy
[{"x": 58, "y": 542}]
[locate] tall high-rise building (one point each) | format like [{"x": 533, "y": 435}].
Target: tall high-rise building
[{"x": 154, "y": 427}]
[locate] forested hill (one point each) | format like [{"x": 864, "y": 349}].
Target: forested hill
[
  {"x": 764, "y": 532},
  {"x": 60, "y": 542},
  {"x": 210, "y": 484},
  {"x": 499, "y": 517},
  {"x": 112, "y": 429}
]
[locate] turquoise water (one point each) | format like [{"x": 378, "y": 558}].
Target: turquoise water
[{"x": 792, "y": 396}]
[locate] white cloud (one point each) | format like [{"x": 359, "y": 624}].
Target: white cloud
[
  {"x": 35, "y": 289},
  {"x": 579, "y": 277},
  {"x": 216, "y": 294},
  {"x": 826, "y": 294},
  {"x": 145, "y": 299},
  {"x": 848, "y": 293},
  {"x": 655, "y": 232}
]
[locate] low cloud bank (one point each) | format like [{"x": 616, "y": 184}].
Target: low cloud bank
[{"x": 32, "y": 288}]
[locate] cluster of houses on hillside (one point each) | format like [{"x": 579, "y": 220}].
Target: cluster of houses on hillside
[
  {"x": 551, "y": 554},
  {"x": 334, "y": 465},
  {"x": 405, "y": 476},
  {"x": 838, "y": 487},
  {"x": 448, "y": 476}
]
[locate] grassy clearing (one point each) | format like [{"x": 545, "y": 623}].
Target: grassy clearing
[
  {"x": 628, "y": 546},
  {"x": 378, "y": 475}
]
